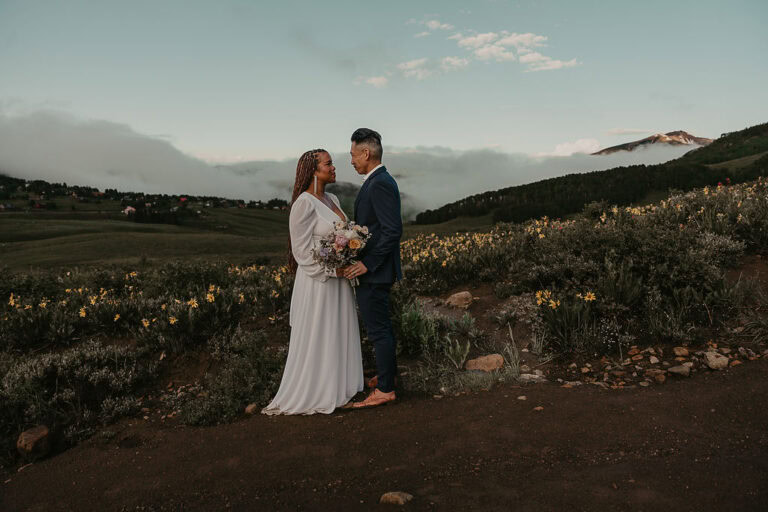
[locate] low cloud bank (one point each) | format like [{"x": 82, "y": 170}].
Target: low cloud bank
[{"x": 60, "y": 148}]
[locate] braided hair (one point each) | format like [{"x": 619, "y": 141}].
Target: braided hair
[{"x": 305, "y": 171}]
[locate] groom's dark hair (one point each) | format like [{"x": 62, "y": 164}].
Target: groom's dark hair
[{"x": 370, "y": 138}]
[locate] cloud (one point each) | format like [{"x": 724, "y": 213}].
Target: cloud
[
  {"x": 629, "y": 131},
  {"x": 60, "y": 148},
  {"x": 521, "y": 41},
  {"x": 376, "y": 81},
  {"x": 586, "y": 146},
  {"x": 436, "y": 25},
  {"x": 422, "y": 34},
  {"x": 495, "y": 52},
  {"x": 57, "y": 147},
  {"x": 416, "y": 68},
  {"x": 478, "y": 40},
  {"x": 548, "y": 63},
  {"x": 453, "y": 63}
]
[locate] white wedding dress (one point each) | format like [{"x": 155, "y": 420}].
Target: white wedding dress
[{"x": 324, "y": 369}]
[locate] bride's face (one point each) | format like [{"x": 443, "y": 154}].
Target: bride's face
[{"x": 326, "y": 171}]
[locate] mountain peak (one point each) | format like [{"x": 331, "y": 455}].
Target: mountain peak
[{"x": 675, "y": 138}]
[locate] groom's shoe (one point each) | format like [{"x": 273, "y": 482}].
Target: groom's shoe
[{"x": 376, "y": 398}]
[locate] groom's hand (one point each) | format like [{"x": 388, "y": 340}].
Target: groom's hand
[{"x": 355, "y": 270}]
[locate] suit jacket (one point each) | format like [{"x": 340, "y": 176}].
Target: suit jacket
[{"x": 378, "y": 207}]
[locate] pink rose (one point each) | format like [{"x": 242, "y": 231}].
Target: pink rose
[{"x": 341, "y": 241}]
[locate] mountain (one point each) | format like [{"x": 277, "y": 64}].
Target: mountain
[
  {"x": 736, "y": 156},
  {"x": 676, "y": 138}
]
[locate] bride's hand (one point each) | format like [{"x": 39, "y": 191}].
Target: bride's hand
[{"x": 342, "y": 271}]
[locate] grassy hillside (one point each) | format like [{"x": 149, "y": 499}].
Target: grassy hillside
[{"x": 738, "y": 157}]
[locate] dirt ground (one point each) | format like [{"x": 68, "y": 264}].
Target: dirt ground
[{"x": 698, "y": 443}]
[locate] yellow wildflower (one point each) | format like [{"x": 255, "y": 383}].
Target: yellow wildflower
[
  {"x": 192, "y": 302},
  {"x": 82, "y": 312},
  {"x": 241, "y": 299},
  {"x": 117, "y": 317},
  {"x": 27, "y": 307},
  {"x": 589, "y": 297},
  {"x": 210, "y": 298},
  {"x": 43, "y": 304},
  {"x": 145, "y": 322},
  {"x": 172, "y": 320},
  {"x": 12, "y": 301},
  {"x": 163, "y": 307},
  {"x": 211, "y": 288},
  {"x": 275, "y": 294}
]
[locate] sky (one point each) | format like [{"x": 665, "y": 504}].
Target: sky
[{"x": 237, "y": 81}]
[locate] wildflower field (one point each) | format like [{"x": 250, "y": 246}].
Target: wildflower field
[{"x": 80, "y": 347}]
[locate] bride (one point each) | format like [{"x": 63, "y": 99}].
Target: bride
[{"x": 324, "y": 369}]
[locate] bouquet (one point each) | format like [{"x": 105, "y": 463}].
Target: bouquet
[{"x": 341, "y": 246}]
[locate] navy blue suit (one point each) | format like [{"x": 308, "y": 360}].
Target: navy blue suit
[{"x": 378, "y": 207}]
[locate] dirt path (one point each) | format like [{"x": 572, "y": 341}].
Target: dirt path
[{"x": 693, "y": 444}]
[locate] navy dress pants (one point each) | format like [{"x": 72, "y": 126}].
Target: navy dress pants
[{"x": 373, "y": 300}]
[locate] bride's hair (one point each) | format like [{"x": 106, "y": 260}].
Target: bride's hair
[{"x": 305, "y": 170}]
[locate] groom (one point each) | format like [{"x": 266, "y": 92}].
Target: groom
[{"x": 378, "y": 207}]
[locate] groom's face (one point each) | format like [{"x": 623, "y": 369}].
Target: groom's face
[{"x": 359, "y": 156}]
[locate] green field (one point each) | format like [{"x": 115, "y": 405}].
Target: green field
[{"x": 49, "y": 239}]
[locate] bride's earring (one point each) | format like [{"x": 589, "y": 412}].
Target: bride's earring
[{"x": 315, "y": 184}]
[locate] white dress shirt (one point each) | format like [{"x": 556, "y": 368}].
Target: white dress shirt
[{"x": 371, "y": 172}]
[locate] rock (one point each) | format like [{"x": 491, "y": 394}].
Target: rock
[
  {"x": 637, "y": 357},
  {"x": 645, "y": 383},
  {"x": 538, "y": 408},
  {"x": 395, "y": 498},
  {"x": 725, "y": 350},
  {"x": 680, "y": 351},
  {"x": 585, "y": 370},
  {"x": 618, "y": 373},
  {"x": 34, "y": 443},
  {"x": 633, "y": 351},
  {"x": 735, "y": 362},
  {"x": 574, "y": 365},
  {"x": 460, "y": 300},
  {"x": 525, "y": 369},
  {"x": 653, "y": 360},
  {"x": 522, "y": 397},
  {"x": 689, "y": 364},
  {"x": 539, "y": 373},
  {"x": 660, "y": 378},
  {"x": 715, "y": 361},
  {"x": 747, "y": 353},
  {"x": 251, "y": 408},
  {"x": 573, "y": 383},
  {"x": 652, "y": 372},
  {"x": 531, "y": 377},
  {"x": 486, "y": 363},
  {"x": 681, "y": 370}
]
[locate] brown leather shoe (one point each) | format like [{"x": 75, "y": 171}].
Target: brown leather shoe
[{"x": 375, "y": 399}]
